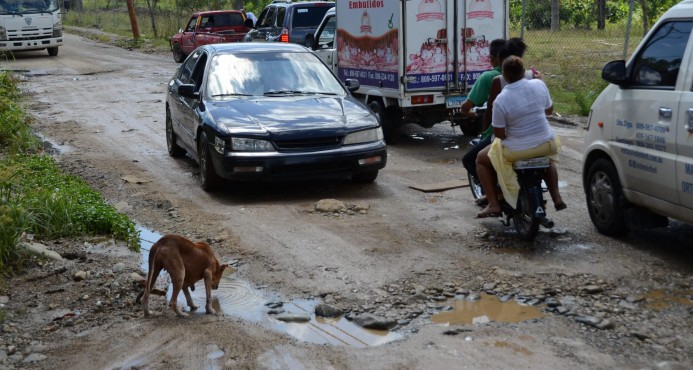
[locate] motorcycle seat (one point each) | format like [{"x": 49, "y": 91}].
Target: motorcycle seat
[{"x": 532, "y": 163}]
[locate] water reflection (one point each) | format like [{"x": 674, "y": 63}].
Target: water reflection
[{"x": 488, "y": 308}]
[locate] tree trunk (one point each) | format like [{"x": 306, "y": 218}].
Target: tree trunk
[
  {"x": 555, "y": 15},
  {"x": 150, "y": 6},
  {"x": 645, "y": 16},
  {"x": 601, "y": 14}
]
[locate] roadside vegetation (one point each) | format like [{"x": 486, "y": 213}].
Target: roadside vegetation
[
  {"x": 571, "y": 57},
  {"x": 36, "y": 197}
]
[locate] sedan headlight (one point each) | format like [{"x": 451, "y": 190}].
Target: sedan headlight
[
  {"x": 241, "y": 144},
  {"x": 365, "y": 136}
]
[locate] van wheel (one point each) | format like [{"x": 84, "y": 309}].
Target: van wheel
[
  {"x": 178, "y": 54},
  {"x": 385, "y": 121},
  {"x": 209, "y": 179},
  {"x": 604, "y": 197}
]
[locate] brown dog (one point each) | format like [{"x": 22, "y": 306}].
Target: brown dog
[{"x": 186, "y": 263}]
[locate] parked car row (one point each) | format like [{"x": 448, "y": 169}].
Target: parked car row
[{"x": 280, "y": 21}]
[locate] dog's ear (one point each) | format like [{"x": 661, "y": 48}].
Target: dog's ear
[{"x": 226, "y": 269}]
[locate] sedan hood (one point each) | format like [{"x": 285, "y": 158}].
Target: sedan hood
[{"x": 284, "y": 116}]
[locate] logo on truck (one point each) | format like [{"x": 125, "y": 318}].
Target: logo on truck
[
  {"x": 429, "y": 10},
  {"x": 27, "y": 20}
]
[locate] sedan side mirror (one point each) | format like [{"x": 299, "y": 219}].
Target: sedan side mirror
[
  {"x": 249, "y": 23},
  {"x": 188, "y": 91},
  {"x": 615, "y": 72},
  {"x": 352, "y": 84}
]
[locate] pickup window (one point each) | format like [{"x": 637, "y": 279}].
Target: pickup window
[
  {"x": 657, "y": 65},
  {"x": 222, "y": 20}
]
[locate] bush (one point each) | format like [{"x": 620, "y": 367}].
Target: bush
[{"x": 37, "y": 197}]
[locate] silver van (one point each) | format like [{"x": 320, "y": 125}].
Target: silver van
[{"x": 638, "y": 152}]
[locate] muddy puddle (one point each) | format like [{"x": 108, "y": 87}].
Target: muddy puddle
[
  {"x": 486, "y": 309},
  {"x": 238, "y": 298}
]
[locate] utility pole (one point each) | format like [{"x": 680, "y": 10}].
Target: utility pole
[{"x": 133, "y": 19}]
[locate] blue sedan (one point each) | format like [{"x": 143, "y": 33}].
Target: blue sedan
[{"x": 269, "y": 111}]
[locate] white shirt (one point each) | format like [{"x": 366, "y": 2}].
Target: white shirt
[{"x": 520, "y": 108}]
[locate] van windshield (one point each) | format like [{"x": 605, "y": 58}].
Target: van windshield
[{"x": 20, "y": 7}]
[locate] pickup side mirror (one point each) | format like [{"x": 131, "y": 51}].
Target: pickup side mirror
[
  {"x": 188, "y": 91},
  {"x": 615, "y": 72},
  {"x": 249, "y": 23},
  {"x": 352, "y": 84}
]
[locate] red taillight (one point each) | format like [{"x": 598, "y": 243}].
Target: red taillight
[
  {"x": 284, "y": 36},
  {"x": 422, "y": 99}
]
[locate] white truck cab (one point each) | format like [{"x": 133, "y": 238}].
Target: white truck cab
[
  {"x": 638, "y": 151},
  {"x": 30, "y": 25}
]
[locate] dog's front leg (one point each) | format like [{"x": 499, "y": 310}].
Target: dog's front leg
[
  {"x": 208, "y": 290},
  {"x": 189, "y": 299}
]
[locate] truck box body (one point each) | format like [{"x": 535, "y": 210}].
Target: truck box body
[
  {"x": 423, "y": 54},
  {"x": 26, "y": 26}
]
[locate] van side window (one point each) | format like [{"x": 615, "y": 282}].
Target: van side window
[{"x": 658, "y": 63}]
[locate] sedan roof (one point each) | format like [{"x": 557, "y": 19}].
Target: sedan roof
[{"x": 242, "y": 47}]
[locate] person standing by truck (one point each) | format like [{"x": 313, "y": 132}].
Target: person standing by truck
[{"x": 478, "y": 95}]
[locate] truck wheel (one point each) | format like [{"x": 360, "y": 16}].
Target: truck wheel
[
  {"x": 385, "y": 121},
  {"x": 53, "y": 51},
  {"x": 209, "y": 179},
  {"x": 178, "y": 54},
  {"x": 604, "y": 195}
]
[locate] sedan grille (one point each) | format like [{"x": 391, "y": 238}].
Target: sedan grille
[{"x": 310, "y": 144}]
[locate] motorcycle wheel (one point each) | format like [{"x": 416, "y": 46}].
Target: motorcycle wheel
[{"x": 526, "y": 224}]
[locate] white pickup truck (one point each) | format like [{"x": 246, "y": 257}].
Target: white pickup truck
[
  {"x": 415, "y": 60},
  {"x": 638, "y": 154}
]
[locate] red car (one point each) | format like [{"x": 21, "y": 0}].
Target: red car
[{"x": 212, "y": 27}]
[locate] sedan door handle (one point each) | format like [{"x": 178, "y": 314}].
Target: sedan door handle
[
  {"x": 689, "y": 125},
  {"x": 665, "y": 112}
]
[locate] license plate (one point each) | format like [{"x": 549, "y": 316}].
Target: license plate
[
  {"x": 454, "y": 101},
  {"x": 524, "y": 164}
]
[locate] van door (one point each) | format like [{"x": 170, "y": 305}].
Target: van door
[
  {"x": 646, "y": 112},
  {"x": 684, "y": 135}
]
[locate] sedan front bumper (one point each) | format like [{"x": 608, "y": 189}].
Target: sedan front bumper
[{"x": 341, "y": 162}]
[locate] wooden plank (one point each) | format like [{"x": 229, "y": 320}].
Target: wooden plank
[{"x": 440, "y": 186}]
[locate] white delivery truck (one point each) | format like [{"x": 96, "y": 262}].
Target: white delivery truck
[
  {"x": 30, "y": 25},
  {"x": 415, "y": 60}
]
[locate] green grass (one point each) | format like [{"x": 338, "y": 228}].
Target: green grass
[
  {"x": 571, "y": 62},
  {"x": 36, "y": 197}
]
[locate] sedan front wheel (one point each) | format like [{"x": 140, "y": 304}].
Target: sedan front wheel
[{"x": 210, "y": 181}]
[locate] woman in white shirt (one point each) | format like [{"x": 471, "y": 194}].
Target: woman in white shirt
[{"x": 522, "y": 131}]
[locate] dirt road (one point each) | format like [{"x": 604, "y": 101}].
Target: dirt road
[{"x": 604, "y": 303}]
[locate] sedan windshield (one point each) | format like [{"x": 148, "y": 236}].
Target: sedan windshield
[{"x": 270, "y": 74}]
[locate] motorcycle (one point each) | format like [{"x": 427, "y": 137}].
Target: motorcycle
[{"x": 530, "y": 210}]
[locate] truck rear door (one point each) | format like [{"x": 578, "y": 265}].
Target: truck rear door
[{"x": 446, "y": 43}]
